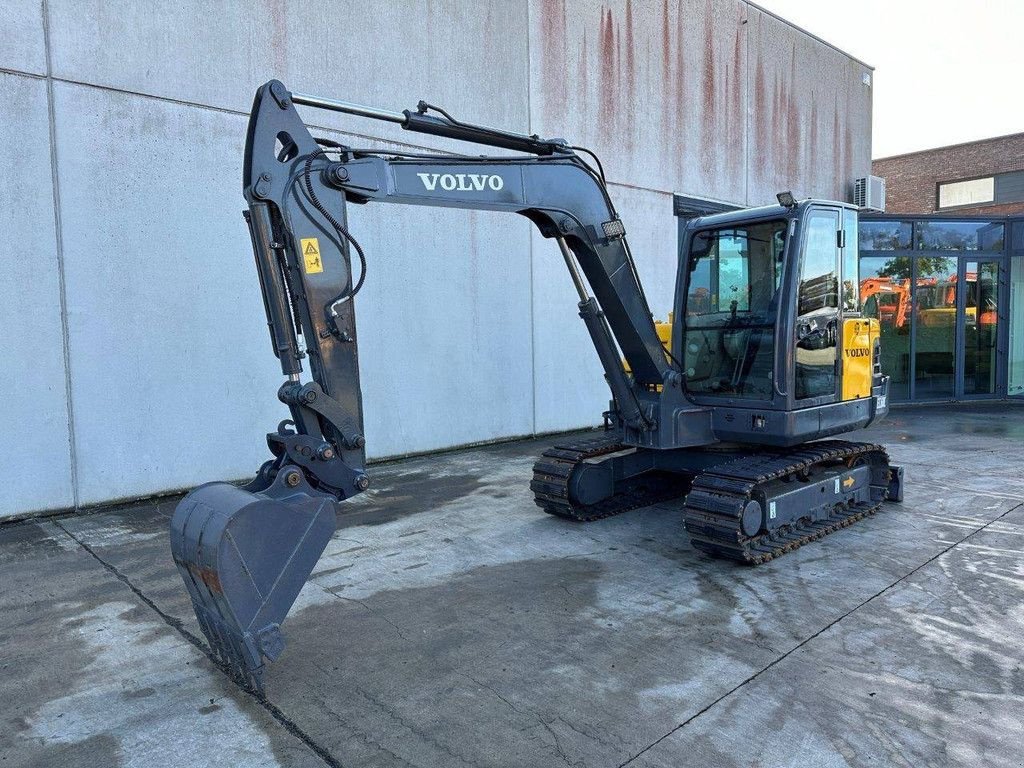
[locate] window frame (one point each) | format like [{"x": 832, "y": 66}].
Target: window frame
[
  {"x": 940, "y": 184},
  {"x": 824, "y": 398},
  {"x": 779, "y": 400}
]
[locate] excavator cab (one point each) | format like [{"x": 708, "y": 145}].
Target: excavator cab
[
  {"x": 768, "y": 352},
  {"x": 770, "y": 332}
]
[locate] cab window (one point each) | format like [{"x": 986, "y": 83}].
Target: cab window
[
  {"x": 731, "y": 306},
  {"x": 817, "y": 322}
]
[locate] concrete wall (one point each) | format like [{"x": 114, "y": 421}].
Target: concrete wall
[{"x": 135, "y": 342}]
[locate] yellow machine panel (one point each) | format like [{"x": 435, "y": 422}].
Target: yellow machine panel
[
  {"x": 664, "y": 329},
  {"x": 860, "y": 334}
]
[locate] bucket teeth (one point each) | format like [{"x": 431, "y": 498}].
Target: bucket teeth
[{"x": 244, "y": 557}]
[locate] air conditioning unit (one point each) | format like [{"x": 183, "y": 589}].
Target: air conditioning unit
[{"x": 869, "y": 193}]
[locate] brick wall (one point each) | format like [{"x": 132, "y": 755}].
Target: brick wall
[{"x": 911, "y": 180}]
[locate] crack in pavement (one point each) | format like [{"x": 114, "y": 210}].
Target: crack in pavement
[
  {"x": 378, "y": 614},
  {"x": 272, "y": 709},
  {"x": 821, "y": 631}
]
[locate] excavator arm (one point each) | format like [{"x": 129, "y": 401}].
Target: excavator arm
[{"x": 244, "y": 553}]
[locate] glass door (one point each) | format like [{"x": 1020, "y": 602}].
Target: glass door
[
  {"x": 980, "y": 310},
  {"x": 936, "y": 329},
  {"x": 956, "y": 327},
  {"x": 1015, "y": 315}
]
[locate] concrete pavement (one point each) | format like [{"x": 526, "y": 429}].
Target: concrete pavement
[{"x": 452, "y": 623}]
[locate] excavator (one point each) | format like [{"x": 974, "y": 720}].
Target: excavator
[
  {"x": 888, "y": 300},
  {"x": 733, "y": 413}
]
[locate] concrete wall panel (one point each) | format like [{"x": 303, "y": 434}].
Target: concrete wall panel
[
  {"x": 172, "y": 371},
  {"x": 810, "y": 115},
  {"x": 444, "y": 327},
  {"x": 37, "y": 464},
  {"x": 22, "y": 43},
  {"x": 653, "y": 232},
  {"x": 449, "y": 52},
  {"x": 570, "y": 387},
  {"x": 656, "y": 87},
  {"x": 172, "y": 375}
]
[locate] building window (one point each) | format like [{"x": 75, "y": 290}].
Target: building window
[
  {"x": 934, "y": 235},
  {"x": 885, "y": 235},
  {"x": 944, "y": 307},
  {"x": 953, "y": 194}
]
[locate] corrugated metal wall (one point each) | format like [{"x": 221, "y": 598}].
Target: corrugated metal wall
[{"x": 135, "y": 344}]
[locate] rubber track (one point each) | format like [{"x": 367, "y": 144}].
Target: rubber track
[
  {"x": 552, "y": 472},
  {"x": 714, "y": 506}
]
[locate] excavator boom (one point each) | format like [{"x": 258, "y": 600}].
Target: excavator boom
[{"x": 244, "y": 553}]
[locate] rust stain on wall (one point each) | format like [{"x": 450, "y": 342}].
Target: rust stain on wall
[
  {"x": 736, "y": 118},
  {"x": 729, "y": 102},
  {"x": 682, "y": 107},
  {"x": 837, "y": 143},
  {"x": 666, "y": 43},
  {"x": 608, "y": 85},
  {"x": 629, "y": 77},
  {"x": 630, "y": 45},
  {"x": 794, "y": 138},
  {"x": 668, "y": 85},
  {"x": 777, "y": 106},
  {"x": 278, "y": 13},
  {"x": 762, "y": 111},
  {"x": 730, "y": 155},
  {"x": 709, "y": 95},
  {"x": 553, "y": 63}
]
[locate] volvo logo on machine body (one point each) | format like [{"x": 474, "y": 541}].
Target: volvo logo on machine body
[{"x": 462, "y": 182}]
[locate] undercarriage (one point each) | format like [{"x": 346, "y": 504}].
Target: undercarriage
[{"x": 742, "y": 503}]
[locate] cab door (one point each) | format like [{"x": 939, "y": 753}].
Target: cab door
[{"x": 817, "y": 309}]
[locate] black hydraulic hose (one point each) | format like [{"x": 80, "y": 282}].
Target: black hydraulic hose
[
  {"x": 597, "y": 160},
  {"x": 350, "y": 291}
]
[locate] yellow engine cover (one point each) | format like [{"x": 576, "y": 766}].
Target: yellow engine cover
[
  {"x": 860, "y": 334},
  {"x": 664, "y": 329}
]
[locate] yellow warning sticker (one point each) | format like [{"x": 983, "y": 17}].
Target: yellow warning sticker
[
  {"x": 848, "y": 482},
  {"x": 311, "y": 255}
]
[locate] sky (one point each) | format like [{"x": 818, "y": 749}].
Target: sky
[{"x": 946, "y": 71}]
